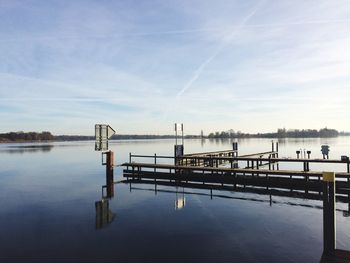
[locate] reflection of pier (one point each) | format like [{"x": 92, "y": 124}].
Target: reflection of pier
[
  {"x": 218, "y": 191},
  {"x": 231, "y": 189},
  {"x": 282, "y": 179}
]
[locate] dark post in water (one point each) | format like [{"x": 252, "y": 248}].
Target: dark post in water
[
  {"x": 329, "y": 213},
  {"x": 110, "y": 173},
  {"x": 235, "y": 153}
]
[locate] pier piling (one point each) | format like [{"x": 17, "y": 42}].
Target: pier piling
[
  {"x": 110, "y": 173},
  {"x": 329, "y": 238}
]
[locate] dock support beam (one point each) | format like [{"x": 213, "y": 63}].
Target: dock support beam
[{"x": 329, "y": 238}]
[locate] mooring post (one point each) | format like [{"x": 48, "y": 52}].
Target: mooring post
[
  {"x": 235, "y": 153},
  {"x": 235, "y": 149},
  {"x": 348, "y": 180},
  {"x": 308, "y": 154},
  {"x": 329, "y": 238},
  {"x": 155, "y": 162},
  {"x": 110, "y": 173}
]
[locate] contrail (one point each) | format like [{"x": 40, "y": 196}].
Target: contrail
[
  {"x": 200, "y": 69},
  {"x": 173, "y": 32},
  {"x": 111, "y": 99}
]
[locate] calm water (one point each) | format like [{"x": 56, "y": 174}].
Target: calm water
[{"x": 48, "y": 194}]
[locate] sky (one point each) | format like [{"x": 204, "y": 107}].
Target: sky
[{"x": 140, "y": 66}]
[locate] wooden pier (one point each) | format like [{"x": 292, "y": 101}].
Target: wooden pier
[
  {"x": 222, "y": 168},
  {"x": 256, "y": 173}
]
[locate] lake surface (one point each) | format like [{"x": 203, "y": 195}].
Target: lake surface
[{"x": 48, "y": 194}]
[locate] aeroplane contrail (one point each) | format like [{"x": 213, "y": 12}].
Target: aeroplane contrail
[
  {"x": 170, "y": 32},
  {"x": 200, "y": 69}
]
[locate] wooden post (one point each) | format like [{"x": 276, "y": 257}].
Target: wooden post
[
  {"x": 348, "y": 179},
  {"x": 235, "y": 149},
  {"x": 155, "y": 162},
  {"x": 110, "y": 173},
  {"x": 329, "y": 238}
]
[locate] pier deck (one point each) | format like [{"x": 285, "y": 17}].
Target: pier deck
[{"x": 290, "y": 180}]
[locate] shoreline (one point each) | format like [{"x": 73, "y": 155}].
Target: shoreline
[{"x": 167, "y": 138}]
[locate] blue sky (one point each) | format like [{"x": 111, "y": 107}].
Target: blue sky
[{"x": 143, "y": 65}]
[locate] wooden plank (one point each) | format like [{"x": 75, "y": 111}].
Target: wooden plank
[
  {"x": 207, "y": 153},
  {"x": 297, "y": 184},
  {"x": 242, "y": 158},
  {"x": 232, "y": 170}
]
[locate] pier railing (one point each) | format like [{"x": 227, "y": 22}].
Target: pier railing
[{"x": 253, "y": 161}]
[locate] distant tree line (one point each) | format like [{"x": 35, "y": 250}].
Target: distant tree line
[
  {"x": 148, "y": 137},
  {"x": 47, "y": 136},
  {"x": 281, "y": 133},
  {"x": 114, "y": 137},
  {"x": 26, "y": 136},
  {"x": 73, "y": 138}
]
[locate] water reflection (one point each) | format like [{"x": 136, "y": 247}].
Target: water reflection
[
  {"x": 104, "y": 216},
  {"x": 15, "y": 149},
  {"x": 180, "y": 200},
  {"x": 227, "y": 192}
]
